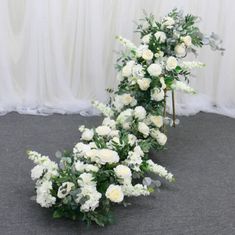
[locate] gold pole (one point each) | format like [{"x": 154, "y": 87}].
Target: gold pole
[
  {"x": 173, "y": 108},
  {"x": 164, "y": 111}
]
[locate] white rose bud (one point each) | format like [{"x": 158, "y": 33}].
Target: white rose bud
[
  {"x": 180, "y": 50},
  {"x": 144, "y": 83},
  {"x": 157, "y": 120},
  {"x": 155, "y": 69},
  {"x": 161, "y": 36},
  {"x": 171, "y": 63},
  {"x": 87, "y": 135},
  {"x": 187, "y": 40},
  {"x": 147, "y": 54},
  {"x": 143, "y": 128}
]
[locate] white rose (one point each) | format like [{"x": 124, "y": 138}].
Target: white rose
[
  {"x": 155, "y": 69},
  {"x": 109, "y": 122},
  {"x": 147, "y": 54},
  {"x": 114, "y": 193},
  {"x": 140, "y": 50},
  {"x": 159, "y": 54},
  {"x": 86, "y": 179},
  {"x": 143, "y": 128},
  {"x": 92, "y": 154},
  {"x": 144, "y": 83},
  {"x": 64, "y": 189},
  {"x": 159, "y": 136},
  {"x": 138, "y": 71},
  {"x": 145, "y": 39},
  {"x": 180, "y": 50},
  {"x": 157, "y": 94},
  {"x": 87, "y": 135},
  {"x": 122, "y": 172},
  {"x": 187, "y": 40},
  {"x": 161, "y": 36},
  {"x": 108, "y": 156},
  {"x": 103, "y": 130},
  {"x": 126, "y": 99},
  {"x": 127, "y": 69},
  {"x": 140, "y": 112},
  {"x": 171, "y": 63},
  {"x": 157, "y": 120}
]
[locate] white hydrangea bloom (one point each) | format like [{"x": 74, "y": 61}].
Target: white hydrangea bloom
[{"x": 37, "y": 172}]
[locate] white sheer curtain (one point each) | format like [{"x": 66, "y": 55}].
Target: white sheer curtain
[{"x": 58, "y": 55}]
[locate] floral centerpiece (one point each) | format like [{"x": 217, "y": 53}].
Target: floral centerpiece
[{"x": 110, "y": 162}]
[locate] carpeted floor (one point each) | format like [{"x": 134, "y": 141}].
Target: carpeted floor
[{"x": 201, "y": 154}]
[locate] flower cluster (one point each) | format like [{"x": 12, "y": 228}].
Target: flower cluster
[{"x": 110, "y": 162}]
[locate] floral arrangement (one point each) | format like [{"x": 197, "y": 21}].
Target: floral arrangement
[{"x": 110, "y": 162}]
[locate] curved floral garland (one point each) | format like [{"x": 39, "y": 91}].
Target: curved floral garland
[{"x": 111, "y": 161}]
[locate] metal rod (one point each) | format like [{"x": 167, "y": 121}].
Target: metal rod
[{"x": 173, "y": 108}]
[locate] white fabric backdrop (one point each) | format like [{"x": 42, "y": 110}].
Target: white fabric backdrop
[{"x": 57, "y": 55}]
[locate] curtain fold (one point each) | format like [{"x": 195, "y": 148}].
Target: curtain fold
[{"x": 57, "y": 55}]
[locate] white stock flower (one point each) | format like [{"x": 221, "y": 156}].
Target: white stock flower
[
  {"x": 144, "y": 83},
  {"x": 154, "y": 70},
  {"x": 134, "y": 160},
  {"x": 188, "y": 65},
  {"x": 171, "y": 63},
  {"x": 131, "y": 139},
  {"x": 161, "y": 36},
  {"x": 130, "y": 190},
  {"x": 140, "y": 112},
  {"x": 114, "y": 193},
  {"x": 159, "y": 136},
  {"x": 157, "y": 94},
  {"x": 147, "y": 54},
  {"x": 103, "y": 130},
  {"x": 87, "y": 134},
  {"x": 143, "y": 128},
  {"x": 187, "y": 40},
  {"x": 65, "y": 189},
  {"x": 37, "y": 172},
  {"x": 157, "y": 120},
  {"x": 178, "y": 85},
  {"x": 145, "y": 39},
  {"x": 180, "y": 50},
  {"x": 123, "y": 172}
]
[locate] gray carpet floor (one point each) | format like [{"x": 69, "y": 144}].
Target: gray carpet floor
[{"x": 201, "y": 154}]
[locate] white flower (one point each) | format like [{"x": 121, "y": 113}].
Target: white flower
[
  {"x": 114, "y": 193},
  {"x": 81, "y": 149},
  {"x": 91, "y": 168},
  {"x": 147, "y": 54},
  {"x": 86, "y": 179},
  {"x": 171, "y": 63},
  {"x": 127, "y": 43},
  {"x": 107, "y": 156},
  {"x": 138, "y": 150},
  {"x": 162, "y": 81},
  {"x": 161, "y": 36},
  {"x": 143, "y": 128},
  {"x": 155, "y": 69},
  {"x": 92, "y": 154},
  {"x": 144, "y": 83},
  {"x": 37, "y": 172},
  {"x": 87, "y": 134},
  {"x": 44, "y": 197},
  {"x": 109, "y": 122},
  {"x": 187, "y": 40},
  {"x": 168, "y": 22},
  {"x": 123, "y": 172},
  {"x": 159, "y": 54},
  {"x": 140, "y": 112},
  {"x": 103, "y": 130},
  {"x": 127, "y": 99},
  {"x": 180, "y": 50},
  {"x": 145, "y": 39},
  {"x": 159, "y": 136},
  {"x": 188, "y": 65},
  {"x": 65, "y": 189},
  {"x": 138, "y": 71},
  {"x": 127, "y": 69},
  {"x": 134, "y": 191},
  {"x": 81, "y": 128},
  {"x": 157, "y": 94},
  {"x": 79, "y": 166},
  {"x": 131, "y": 139},
  {"x": 160, "y": 170},
  {"x": 178, "y": 85},
  {"x": 114, "y": 133},
  {"x": 140, "y": 50},
  {"x": 125, "y": 116},
  {"x": 134, "y": 160},
  {"x": 157, "y": 120}
]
